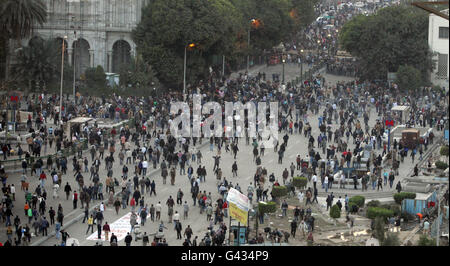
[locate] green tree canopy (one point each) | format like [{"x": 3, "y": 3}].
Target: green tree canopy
[
  {"x": 216, "y": 27},
  {"x": 95, "y": 78},
  {"x": 408, "y": 78},
  {"x": 17, "y": 19},
  {"x": 167, "y": 27},
  {"x": 383, "y": 42},
  {"x": 37, "y": 62},
  {"x": 302, "y": 12}
]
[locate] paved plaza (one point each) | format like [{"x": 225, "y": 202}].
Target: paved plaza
[{"x": 297, "y": 145}]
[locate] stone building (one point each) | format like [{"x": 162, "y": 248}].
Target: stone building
[{"x": 98, "y": 31}]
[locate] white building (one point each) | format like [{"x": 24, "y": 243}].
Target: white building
[
  {"x": 98, "y": 31},
  {"x": 438, "y": 42}
]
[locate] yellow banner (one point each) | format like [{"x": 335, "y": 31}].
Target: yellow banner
[{"x": 238, "y": 214}]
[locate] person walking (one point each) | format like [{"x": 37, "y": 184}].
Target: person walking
[
  {"x": 284, "y": 207},
  {"x": 128, "y": 239},
  {"x": 145, "y": 239},
  {"x": 185, "y": 210},
  {"x": 74, "y": 199},
  {"x": 51, "y": 214},
  {"x": 67, "y": 189},
  {"x": 152, "y": 212},
  {"x": 158, "y": 208},
  {"x": 293, "y": 227},
  {"x": 178, "y": 228},
  {"x": 143, "y": 215},
  {"x": 106, "y": 229},
  {"x": 90, "y": 223},
  {"x": 117, "y": 205},
  {"x": 45, "y": 225}
]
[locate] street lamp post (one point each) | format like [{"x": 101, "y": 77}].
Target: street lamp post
[
  {"x": 252, "y": 21},
  {"x": 318, "y": 47},
  {"x": 223, "y": 66},
  {"x": 329, "y": 43},
  {"x": 184, "y": 75},
  {"x": 284, "y": 60},
  {"x": 248, "y": 46},
  {"x": 301, "y": 66},
  {"x": 191, "y": 45},
  {"x": 73, "y": 64},
  {"x": 62, "y": 77}
]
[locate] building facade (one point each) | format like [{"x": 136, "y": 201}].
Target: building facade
[
  {"x": 98, "y": 31},
  {"x": 438, "y": 41}
]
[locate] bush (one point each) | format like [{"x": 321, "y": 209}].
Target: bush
[
  {"x": 399, "y": 197},
  {"x": 352, "y": 207},
  {"x": 426, "y": 241},
  {"x": 408, "y": 78},
  {"x": 374, "y": 203},
  {"x": 391, "y": 240},
  {"x": 407, "y": 216},
  {"x": 441, "y": 165},
  {"x": 374, "y": 212},
  {"x": 279, "y": 191},
  {"x": 378, "y": 231},
  {"x": 393, "y": 207},
  {"x": 269, "y": 207},
  {"x": 358, "y": 200},
  {"x": 300, "y": 182},
  {"x": 95, "y": 78},
  {"x": 335, "y": 212},
  {"x": 444, "y": 150}
]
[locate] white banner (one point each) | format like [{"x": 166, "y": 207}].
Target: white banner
[
  {"x": 239, "y": 199},
  {"x": 120, "y": 228}
]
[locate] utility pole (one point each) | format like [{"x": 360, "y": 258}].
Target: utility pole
[
  {"x": 438, "y": 218},
  {"x": 184, "y": 75},
  {"x": 248, "y": 53},
  {"x": 62, "y": 75},
  {"x": 223, "y": 65},
  {"x": 73, "y": 64}
]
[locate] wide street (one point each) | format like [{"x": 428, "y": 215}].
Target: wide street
[{"x": 246, "y": 169}]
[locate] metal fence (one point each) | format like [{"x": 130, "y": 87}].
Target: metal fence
[{"x": 413, "y": 206}]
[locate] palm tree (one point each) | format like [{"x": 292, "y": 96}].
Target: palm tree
[
  {"x": 37, "y": 62},
  {"x": 17, "y": 20}
]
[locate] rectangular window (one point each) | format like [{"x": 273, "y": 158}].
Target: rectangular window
[
  {"x": 443, "y": 32},
  {"x": 442, "y": 65}
]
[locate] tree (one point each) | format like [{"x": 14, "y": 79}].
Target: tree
[
  {"x": 17, "y": 20},
  {"x": 408, "y": 78},
  {"x": 383, "y": 42},
  {"x": 391, "y": 240},
  {"x": 37, "y": 62},
  {"x": 139, "y": 76},
  {"x": 335, "y": 212},
  {"x": 303, "y": 12},
  {"x": 275, "y": 22},
  {"x": 379, "y": 231},
  {"x": 426, "y": 241},
  {"x": 168, "y": 27},
  {"x": 95, "y": 78},
  {"x": 216, "y": 27},
  {"x": 444, "y": 150}
]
